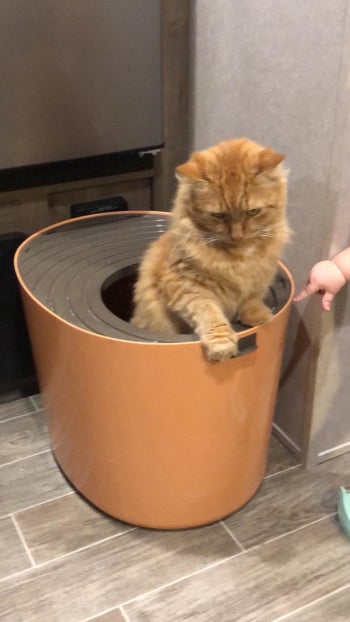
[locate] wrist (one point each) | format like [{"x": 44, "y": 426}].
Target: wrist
[{"x": 340, "y": 268}]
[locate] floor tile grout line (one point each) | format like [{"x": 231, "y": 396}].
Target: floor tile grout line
[
  {"x": 35, "y": 505},
  {"x": 124, "y": 614},
  {"x": 312, "y": 603},
  {"x": 86, "y": 547},
  {"x": 31, "y": 397},
  {"x": 184, "y": 578},
  {"x": 105, "y": 611},
  {"x": 32, "y": 412},
  {"x": 291, "y": 468},
  {"x": 23, "y": 541},
  {"x": 231, "y": 534},
  {"x": 65, "y": 555},
  {"x": 17, "y": 574},
  {"x": 287, "y": 533},
  {"x": 38, "y": 453}
]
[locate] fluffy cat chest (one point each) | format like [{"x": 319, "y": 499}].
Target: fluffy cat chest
[
  {"x": 245, "y": 272},
  {"x": 241, "y": 280}
]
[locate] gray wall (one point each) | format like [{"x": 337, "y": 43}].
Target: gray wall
[{"x": 277, "y": 71}]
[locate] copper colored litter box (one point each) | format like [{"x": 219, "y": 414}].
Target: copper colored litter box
[{"x": 141, "y": 423}]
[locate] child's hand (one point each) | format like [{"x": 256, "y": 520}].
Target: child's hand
[{"x": 325, "y": 278}]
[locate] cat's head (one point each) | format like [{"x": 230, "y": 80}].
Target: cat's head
[{"x": 234, "y": 192}]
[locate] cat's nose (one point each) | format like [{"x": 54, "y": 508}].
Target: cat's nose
[{"x": 237, "y": 232}]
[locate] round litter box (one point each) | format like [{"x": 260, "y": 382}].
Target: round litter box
[{"x": 140, "y": 422}]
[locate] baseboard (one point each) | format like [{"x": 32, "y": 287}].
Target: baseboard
[
  {"x": 333, "y": 452},
  {"x": 286, "y": 440}
]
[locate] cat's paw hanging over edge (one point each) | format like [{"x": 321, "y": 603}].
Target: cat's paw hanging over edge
[{"x": 220, "y": 344}]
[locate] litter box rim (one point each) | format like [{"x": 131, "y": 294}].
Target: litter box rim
[{"x": 194, "y": 342}]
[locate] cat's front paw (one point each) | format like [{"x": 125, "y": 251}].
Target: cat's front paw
[{"x": 221, "y": 344}]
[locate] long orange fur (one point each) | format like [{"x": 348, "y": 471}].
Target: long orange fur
[{"x": 220, "y": 254}]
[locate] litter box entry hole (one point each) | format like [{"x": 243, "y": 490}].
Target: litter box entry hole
[{"x": 117, "y": 292}]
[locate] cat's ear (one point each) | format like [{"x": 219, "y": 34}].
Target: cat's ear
[
  {"x": 189, "y": 170},
  {"x": 266, "y": 160}
]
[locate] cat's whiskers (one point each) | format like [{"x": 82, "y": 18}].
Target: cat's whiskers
[
  {"x": 265, "y": 232},
  {"x": 211, "y": 238},
  {"x": 205, "y": 238},
  {"x": 189, "y": 247},
  {"x": 268, "y": 232}
]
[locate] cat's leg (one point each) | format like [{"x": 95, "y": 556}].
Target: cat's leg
[
  {"x": 210, "y": 323},
  {"x": 154, "y": 317},
  {"x": 253, "y": 311}
]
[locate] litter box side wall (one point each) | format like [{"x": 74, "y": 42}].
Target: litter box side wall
[{"x": 154, "y": 434}]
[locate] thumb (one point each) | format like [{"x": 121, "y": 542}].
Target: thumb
[{"x": 327, "y": 299}]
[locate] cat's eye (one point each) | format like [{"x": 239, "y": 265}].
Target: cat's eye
[
  {"x": 254, "y": 211},
  {"x": 218, "y": 215}
]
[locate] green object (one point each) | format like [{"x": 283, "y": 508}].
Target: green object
[{"x": 343, "y": 510}]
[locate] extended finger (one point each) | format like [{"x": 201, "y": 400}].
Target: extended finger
[{"x": 309, "y": 289}]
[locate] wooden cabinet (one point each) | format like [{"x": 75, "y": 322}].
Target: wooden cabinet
[{"x": 32, "y": 209}]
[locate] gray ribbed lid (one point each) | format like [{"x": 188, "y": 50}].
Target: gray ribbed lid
[{"x": 75, "y": 269}]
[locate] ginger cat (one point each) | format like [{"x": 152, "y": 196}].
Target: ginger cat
[{"x": 220, "y": 254}]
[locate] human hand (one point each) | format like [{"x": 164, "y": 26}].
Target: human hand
[{"x": 326, "y": 279}]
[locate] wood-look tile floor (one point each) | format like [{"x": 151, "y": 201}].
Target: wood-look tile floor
[{"x": 281, "y": 557}]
